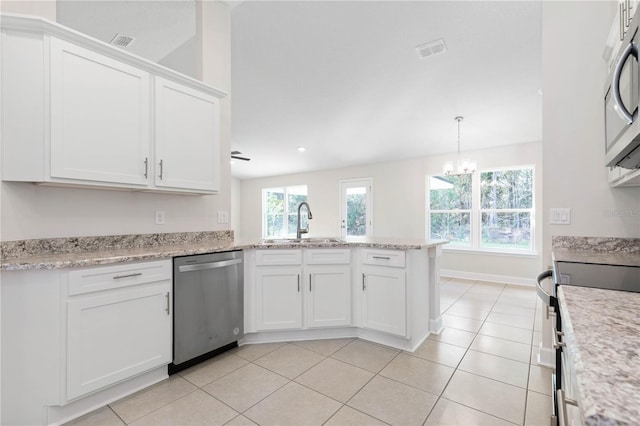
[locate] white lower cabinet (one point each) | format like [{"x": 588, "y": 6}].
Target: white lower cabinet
[
  {"x": 278, "y": 298},
  {"x": 384, "y": 299},
  {"x": 328, "y": 301},
  {"x": 385, "y": 295},
  {"x": 88, "y": 331},
  {"x": 383, "y": 291},
  {"x": 116, "y": 334},
  {"x": 294, "y": 292}
]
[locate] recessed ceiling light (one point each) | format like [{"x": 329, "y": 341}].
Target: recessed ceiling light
[{"x": 301, "y": 149}]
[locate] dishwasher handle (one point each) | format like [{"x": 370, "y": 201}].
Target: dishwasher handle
[{"x": 209, "y": 265}]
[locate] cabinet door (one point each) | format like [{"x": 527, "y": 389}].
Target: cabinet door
[
  {"x": 278, "y": 298},
  {"x": 99, "y": 117},
  {"x": 384, "y": 304},
  {"x": 113, "y": 335},
  {"x": 187, "y": 149},
  {"x": 328, "y": 301}
]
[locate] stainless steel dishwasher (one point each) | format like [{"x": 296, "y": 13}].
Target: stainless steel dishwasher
[{"x": 207, "y": 306}]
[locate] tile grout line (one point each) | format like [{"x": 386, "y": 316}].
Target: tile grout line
[{"x": 459, "y": 362}]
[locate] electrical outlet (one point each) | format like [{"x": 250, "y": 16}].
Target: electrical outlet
[
  {"x": 159, "y": 217},
  {"x": 223, "y": 216}
]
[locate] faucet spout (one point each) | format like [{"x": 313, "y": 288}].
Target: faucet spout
[{"x": 299, "y": 230}]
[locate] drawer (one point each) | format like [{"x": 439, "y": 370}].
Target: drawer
[
  {"x": 116, "y": 276},
  {"x": 328, "y": 256},
  {"x": 383, "y": 257},
  {"x": 278, "y": 257}
]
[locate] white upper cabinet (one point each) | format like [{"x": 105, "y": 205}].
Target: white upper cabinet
[
  {"x": 99, "y": 117},
  {"x": 187, "y": 124},
  {"x": 76, "y": 111}
]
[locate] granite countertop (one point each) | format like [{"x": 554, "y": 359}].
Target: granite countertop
[
  {"x": 602, "y": 329},
  {"x": 96, "y": 254}
]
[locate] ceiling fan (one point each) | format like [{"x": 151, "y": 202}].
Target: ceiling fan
[{"x": 236, "y": 155}]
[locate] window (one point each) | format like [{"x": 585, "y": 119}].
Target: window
[
  {"x": 488, "y": 210},
  {"x": 450, "y": 205},
  {"x": 506, "y": 199},
  {"x": 280, "y": 211}
]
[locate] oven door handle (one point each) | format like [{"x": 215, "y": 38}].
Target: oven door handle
[
  {"x": 542, "y": 293},
  {"x": 630, "y": 50}
]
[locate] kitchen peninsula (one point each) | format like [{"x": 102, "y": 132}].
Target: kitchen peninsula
[{"x": 383, "y": 290}]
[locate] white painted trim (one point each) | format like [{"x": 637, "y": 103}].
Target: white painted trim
[
  {"x": 546, "y": 357},
  {"x": 58, "y": 415},
  {"x": 527, "y": 282}
]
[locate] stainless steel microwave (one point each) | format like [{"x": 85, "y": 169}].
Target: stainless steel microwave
[{"x": 622, "y": 124}]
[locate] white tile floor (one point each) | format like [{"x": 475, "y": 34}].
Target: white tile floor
[{"x": 477, "y": 372}]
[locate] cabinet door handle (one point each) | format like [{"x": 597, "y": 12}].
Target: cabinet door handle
[
  {"x": 135, "y": 274},
  {"x": 168, "y": 309},
  {"x": 364, "y": 286},
  {"x": 298, "y": 283},
  {"x": 382, "y": 257},
  {"x": 146, "y": 167},
  {"x": 161, "y": 169},
  {"x": 309, "y": 282},
  {"x": 556, "y": 339}
]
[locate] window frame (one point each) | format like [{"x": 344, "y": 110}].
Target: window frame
[
  {"x": 453, "y": 211},
  {"x": 285, "y": 220},
  {"x": 477, "y": 211}
]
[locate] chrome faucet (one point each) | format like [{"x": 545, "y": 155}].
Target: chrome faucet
[{"x": 301, "y": 231}]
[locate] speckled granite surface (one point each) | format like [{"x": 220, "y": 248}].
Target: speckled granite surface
[
  {"x": 89, "y": 251},
  {"x": 602, "y": 331},
  {"x": 610, "y": 251},
  {"x": 604, "y": 244}
]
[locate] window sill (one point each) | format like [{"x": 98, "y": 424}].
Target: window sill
[{"x": 520, "y": 254}]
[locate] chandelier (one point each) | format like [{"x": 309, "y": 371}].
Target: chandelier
[{"x": 464, "y": 166}]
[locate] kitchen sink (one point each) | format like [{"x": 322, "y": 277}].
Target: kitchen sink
[{"x": 302, "y": 241}]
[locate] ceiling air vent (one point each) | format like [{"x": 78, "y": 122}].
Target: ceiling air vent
[
  {"x": 122, "y": 40},
  {"x": 432, "y": 48}
]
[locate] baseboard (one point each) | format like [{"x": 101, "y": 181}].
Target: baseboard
[{"x": 478, "y": 276}]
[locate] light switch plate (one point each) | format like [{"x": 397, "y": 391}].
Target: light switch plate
[
  {"x": 223, "y": 216},
  {"x": 560, "y": 216}
]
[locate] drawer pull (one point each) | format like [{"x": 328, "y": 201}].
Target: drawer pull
[
  {"x": 382, "y": 257},
  {"x": 135, "y": 274}
]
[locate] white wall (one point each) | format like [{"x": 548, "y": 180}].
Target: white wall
[
  {"x": 182, "y": 59},
  {"x": 399, "y": 201},
  {"x": 574, "y": 74},
  {"x": 29, "y": 211}
]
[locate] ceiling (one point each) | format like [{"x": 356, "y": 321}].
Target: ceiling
[
  {"x": 344, "y": 80},
  {"x": 159, "y": 27}
]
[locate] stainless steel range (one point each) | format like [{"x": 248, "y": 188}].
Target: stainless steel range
[{"x": 594, "y": 275}]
